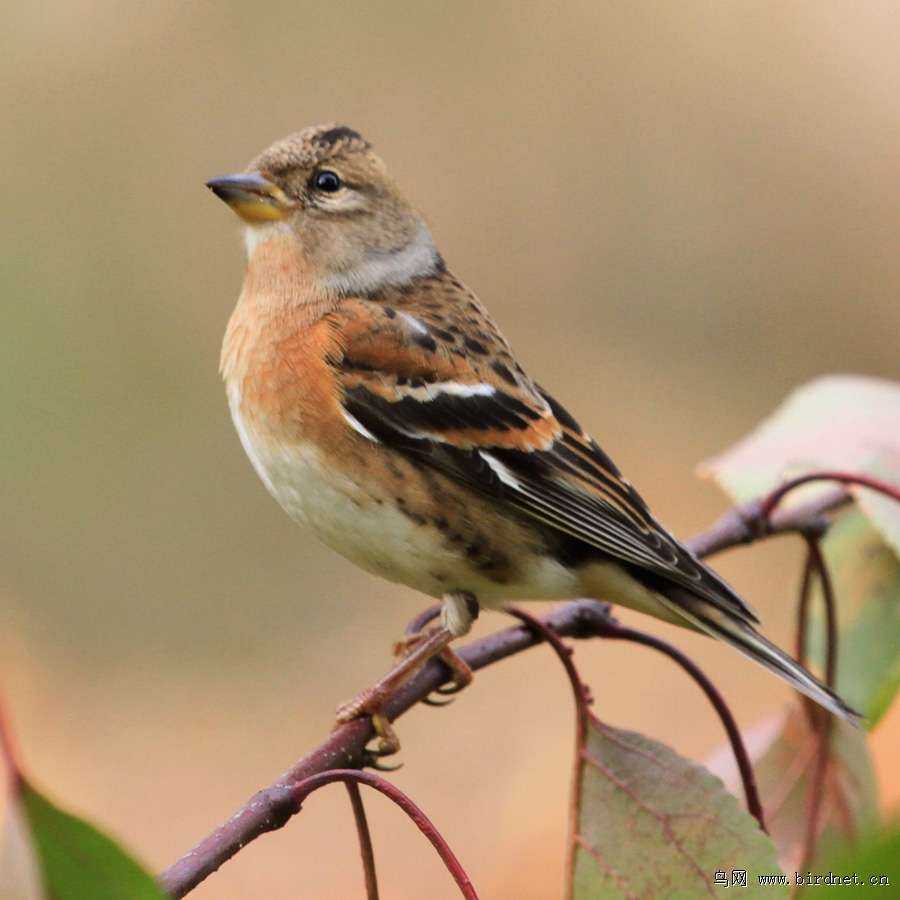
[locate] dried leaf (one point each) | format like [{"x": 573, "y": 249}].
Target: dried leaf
[
  {"x": 783, "y": 748},
  {"x": 843, "y": 422}
]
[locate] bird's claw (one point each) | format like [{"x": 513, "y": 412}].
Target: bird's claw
[{"x": 369, "y": 704}]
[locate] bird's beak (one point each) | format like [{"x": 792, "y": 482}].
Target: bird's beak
[{"x": 254, "y": 198}]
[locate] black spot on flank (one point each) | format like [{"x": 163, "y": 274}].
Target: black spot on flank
[
  {"x": 424, "y": 340},
  {"x": 474, "y": 307},
  {"x": 442, "y": 335},
  {"x": 454, "y": 329},
  {"x": 504, "y": 372},
  {"x": 413, "y": 516},
  {"x": 475, "y": 346},
  {"x": 390, "y": 312},
  {"x": 413, "y": 382},
  {"x": 402, "y": 381}
]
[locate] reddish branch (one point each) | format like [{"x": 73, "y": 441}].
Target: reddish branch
[
  {"x": 366, "y": 850},
  {"x": 738, "y": 748},
  {"x": 822, "y": 725},
  {"x": 353, "y": 777},
  {"x": 876, "y": 484},
  {"x": 345, "y": 748}
]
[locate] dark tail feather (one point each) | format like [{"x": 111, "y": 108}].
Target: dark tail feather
[{"x": 743, "y": 637}]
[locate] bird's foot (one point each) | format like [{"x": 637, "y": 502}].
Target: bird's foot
[
  {"x": 416, "y": 651},
  {"x": 370, "y": 703},
  {"x": 460, "y": 670}
]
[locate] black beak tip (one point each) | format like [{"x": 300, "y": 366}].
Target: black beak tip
[{"x": 219, "y": 186}]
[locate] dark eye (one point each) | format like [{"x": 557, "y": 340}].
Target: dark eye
[{"x": 328, "y": 182}]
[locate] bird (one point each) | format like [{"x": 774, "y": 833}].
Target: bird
[{"x": 385, "y": 411}]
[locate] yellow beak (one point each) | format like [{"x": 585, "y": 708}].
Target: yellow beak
[{"x": 254, "y": 198}]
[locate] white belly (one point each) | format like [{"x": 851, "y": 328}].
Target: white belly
[
  {"x": 341, "y": 513},
  {"x": 377, "y": 536}
]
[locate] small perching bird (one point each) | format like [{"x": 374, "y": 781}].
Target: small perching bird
[{"x": 385, "y": 411}]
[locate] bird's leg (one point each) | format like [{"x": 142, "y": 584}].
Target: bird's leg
[
  {"x": 458, "y": 612},
  {"x": 457, "y": 615}
]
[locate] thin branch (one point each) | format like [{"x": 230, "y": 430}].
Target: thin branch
[
  {"x": 876, "y": 484},
  {"x": 803, "y": 608},
  {"x": 366, "y": 851},
  {"x": 821, "y": 724},
  {"x": 824, "y": 727},
  {"x": 583, "y": 701},
  {"x": 830, "y": 604},
  {"x": 304, "y": 788},
  {"x": 580, "y": 690},
  {"x": 738, "y": 748},
  {"x": 345, "y": 747},
  {"x": 749, "y": 522}
]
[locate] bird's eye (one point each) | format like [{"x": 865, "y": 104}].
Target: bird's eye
[{"x": 328, "y": 182}]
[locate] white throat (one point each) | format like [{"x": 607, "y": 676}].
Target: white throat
[{"x": 254, "y": 235}]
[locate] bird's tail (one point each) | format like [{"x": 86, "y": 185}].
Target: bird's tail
[{"x": 743, "y": 637}]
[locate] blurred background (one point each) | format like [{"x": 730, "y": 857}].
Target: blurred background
[{"x": 677, "y": 213}]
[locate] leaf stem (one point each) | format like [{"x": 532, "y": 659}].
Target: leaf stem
[
  {"x": 751, "y": 791},
  {"x": 821, "y": 724},
  {"x": 366, "y": 851},
  {"x": 768, "y": 504},
  {"x": 303, "y": 789}
]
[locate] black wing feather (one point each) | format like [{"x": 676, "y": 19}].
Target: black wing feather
[{"x": 606, "y": 513}]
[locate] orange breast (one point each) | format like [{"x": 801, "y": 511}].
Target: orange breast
[{"x": 274, "y": 356}]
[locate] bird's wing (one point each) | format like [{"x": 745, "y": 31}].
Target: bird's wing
[{"x": 418, "y": 388}]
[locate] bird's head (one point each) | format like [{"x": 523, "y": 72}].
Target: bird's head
[{"x": 325, "y": 190}]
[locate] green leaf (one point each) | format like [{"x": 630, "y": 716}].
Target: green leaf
[
  {"x": 844, "y": 422},
  {"x": 866, "y": 576},
  {"x": 784, "y": 772},
  {"x": 872, "y": 861},
  {"x": 75, "y": 861},
  {"x": 651, "y": 823}
]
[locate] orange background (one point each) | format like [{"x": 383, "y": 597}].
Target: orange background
[{"x": 677, "y": 212}]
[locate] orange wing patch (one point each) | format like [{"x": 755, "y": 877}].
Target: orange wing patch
[{"x": 423, "y": 381}]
